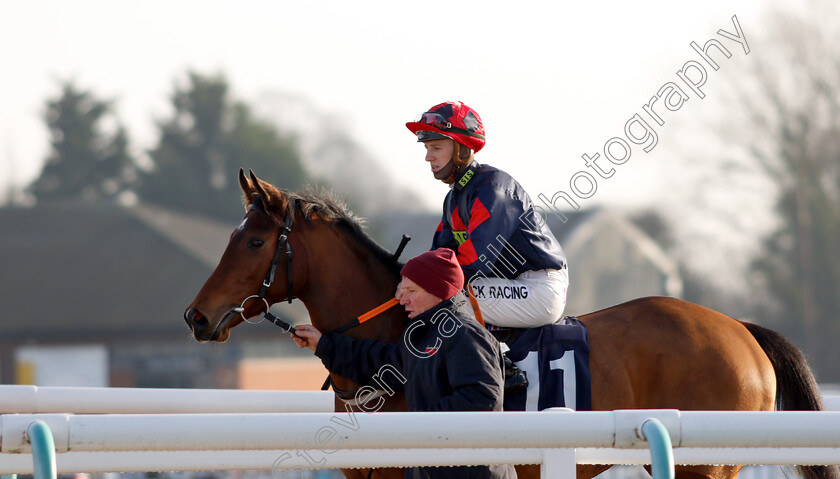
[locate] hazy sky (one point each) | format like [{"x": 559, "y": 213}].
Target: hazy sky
[{"x": 551, "y": 80}]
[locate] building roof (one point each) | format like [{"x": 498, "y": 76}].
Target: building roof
[{"x": 94, "y": 272}]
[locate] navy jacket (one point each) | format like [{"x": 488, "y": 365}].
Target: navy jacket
[
  {"x": 490, "y": 221},
  {"x": 451, "y": 364}
]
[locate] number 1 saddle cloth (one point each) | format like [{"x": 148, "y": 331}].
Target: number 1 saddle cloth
[{"x": 555, "y": 358}]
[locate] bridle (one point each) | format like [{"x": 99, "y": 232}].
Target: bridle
[{"x": 282, "y": 243}]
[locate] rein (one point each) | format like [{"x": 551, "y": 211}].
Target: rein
[
  {"x": 370, "y": 314},
  {"x": 382, "y": 307}
]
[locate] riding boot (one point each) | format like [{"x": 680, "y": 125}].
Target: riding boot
[{"x": 515, "y": 379}]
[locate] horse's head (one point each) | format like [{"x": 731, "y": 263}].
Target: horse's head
[{"x": 257, "y": 248}]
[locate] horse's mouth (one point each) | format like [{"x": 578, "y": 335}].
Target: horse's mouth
[{"x": 222, "y": 331}]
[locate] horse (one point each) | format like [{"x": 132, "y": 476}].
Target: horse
[{"x": 648, "y": 353}]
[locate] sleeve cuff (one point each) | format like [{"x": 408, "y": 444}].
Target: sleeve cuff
[{"x": 325, "y": 346}]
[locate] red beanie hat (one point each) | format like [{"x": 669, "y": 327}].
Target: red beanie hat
[{"x": 438, "y": 272}]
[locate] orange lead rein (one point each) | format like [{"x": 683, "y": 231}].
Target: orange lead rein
[{"x": 379, "y": 309}]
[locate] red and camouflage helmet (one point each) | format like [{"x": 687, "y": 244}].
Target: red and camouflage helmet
[{"x": 451, "y": 119}]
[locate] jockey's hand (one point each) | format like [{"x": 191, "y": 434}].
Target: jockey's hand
[
  {"x": 398, "y": 294},
  {"x": 306, "y": 336}
]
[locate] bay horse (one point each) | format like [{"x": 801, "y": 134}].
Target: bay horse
[{"x": 648, "y": 353}]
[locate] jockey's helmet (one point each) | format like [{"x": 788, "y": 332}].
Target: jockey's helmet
[{"x": 453, "y": 120}]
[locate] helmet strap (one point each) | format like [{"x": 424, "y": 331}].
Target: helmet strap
[
  {"x": 461, "y": 156},
  {"x": 456, "y": 170}
]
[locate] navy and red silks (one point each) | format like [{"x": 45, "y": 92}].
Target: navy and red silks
[{"x": 490, "y": 222}]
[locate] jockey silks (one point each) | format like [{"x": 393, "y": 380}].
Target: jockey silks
[{"x": 489, "y": 220}]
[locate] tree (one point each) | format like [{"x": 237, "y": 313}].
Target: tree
[
  {"x": 791, "y": 128},
  {"x": 85, "y": 163},
  {"x": 333, "y": 156},
  {"x": 201, "y": 148}
]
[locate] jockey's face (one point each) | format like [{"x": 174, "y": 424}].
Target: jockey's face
[
  {"x": 416, "y": 299},
  {"x": 439, "y": 155}
]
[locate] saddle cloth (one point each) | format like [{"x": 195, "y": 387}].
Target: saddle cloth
[{"x": 555, "y": 358}]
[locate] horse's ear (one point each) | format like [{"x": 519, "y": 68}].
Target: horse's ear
[
  {"x": 272, "y": 198},
  {"x": 257, "y": 186},
  {"x": 245, "y": 185}
]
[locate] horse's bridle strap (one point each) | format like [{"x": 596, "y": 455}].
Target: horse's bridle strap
[
  {"x": 282, "y": 241},
  {"x": 279, "y": 322}
]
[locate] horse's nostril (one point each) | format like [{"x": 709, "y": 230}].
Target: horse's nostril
[{"x": 194, "y": 317}]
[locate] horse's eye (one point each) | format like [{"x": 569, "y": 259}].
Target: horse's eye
[{"x": 255, "y": 243}]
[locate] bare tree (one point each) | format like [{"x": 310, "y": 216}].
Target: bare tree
[{"x": 785, "y": 118}]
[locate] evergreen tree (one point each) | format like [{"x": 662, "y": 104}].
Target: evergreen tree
[
  {"x": 85, "y": 163},
  {"x": 201, "y": 148}
]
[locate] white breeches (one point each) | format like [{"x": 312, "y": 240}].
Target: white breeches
[{"x": 532, "y": 299}]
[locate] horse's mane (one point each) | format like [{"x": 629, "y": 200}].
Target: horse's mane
[{"x": 325, "y": 204}]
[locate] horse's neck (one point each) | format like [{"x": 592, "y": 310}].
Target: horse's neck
[{"x": 345, "y": 280}]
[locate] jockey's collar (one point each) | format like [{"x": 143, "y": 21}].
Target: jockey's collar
[{"x": 467, "y": 174}]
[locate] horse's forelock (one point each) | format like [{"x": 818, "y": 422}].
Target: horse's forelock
[
  {"x": 274, "y": 199},
  {"x": 256, "y": 203},
  {"x": 275, "y": 206}
]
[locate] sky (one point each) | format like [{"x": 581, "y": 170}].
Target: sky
[{"x": 551, "y": 80}]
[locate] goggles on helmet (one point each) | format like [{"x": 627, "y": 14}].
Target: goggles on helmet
[
  {"x": 434, "y": 119},
  {"x": 442, "y": 123}
]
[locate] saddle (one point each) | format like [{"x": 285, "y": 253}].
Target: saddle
[{"x": 547, "y": 366}]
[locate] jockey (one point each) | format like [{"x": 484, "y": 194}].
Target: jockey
[{"x": 514, "y": 267}]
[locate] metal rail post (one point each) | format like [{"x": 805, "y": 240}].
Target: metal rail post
[
  {"x": 43, "y": 450},
  {"x": 661, "y": 453}
]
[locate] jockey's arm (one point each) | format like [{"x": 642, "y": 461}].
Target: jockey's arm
[{"x": 492, "y": 221}]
